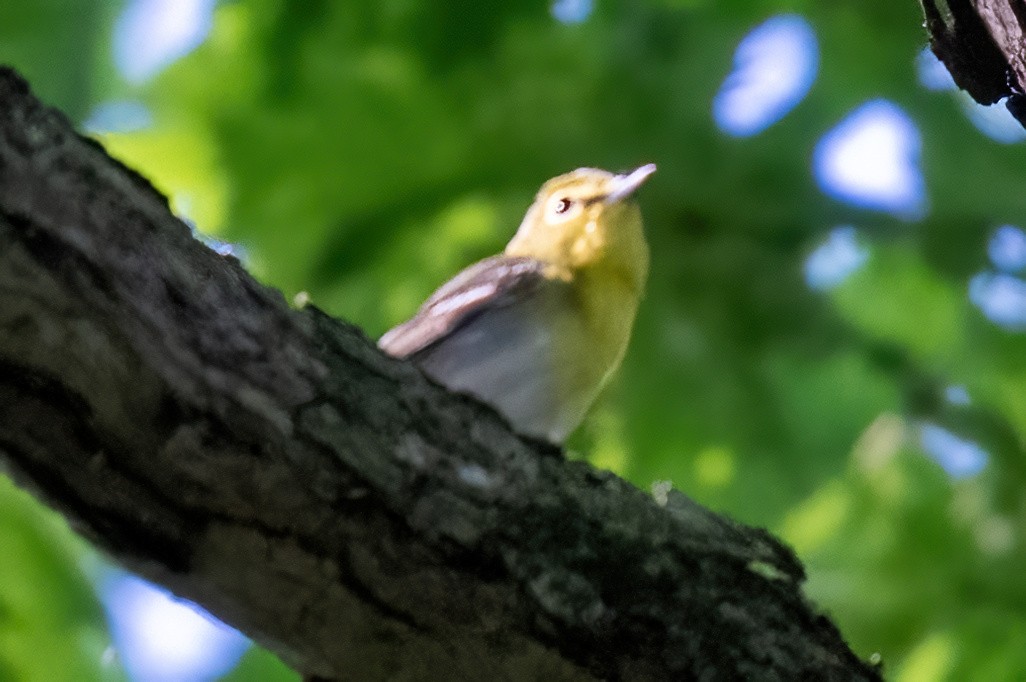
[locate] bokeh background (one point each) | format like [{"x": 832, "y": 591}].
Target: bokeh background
[{"x": 832, "y": 345}]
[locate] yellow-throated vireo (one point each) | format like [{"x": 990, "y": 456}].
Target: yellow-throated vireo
[{"x": 538, "y": 330}]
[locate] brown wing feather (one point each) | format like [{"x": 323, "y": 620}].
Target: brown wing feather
[{"x": 490, "y": 283}]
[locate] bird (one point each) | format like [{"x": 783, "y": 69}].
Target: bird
[{"x": 539, "y": 329}]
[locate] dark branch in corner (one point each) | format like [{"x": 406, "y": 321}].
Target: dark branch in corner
[
  {"x": 273, "y": 466},
  {"x": 982, "y": 44}
]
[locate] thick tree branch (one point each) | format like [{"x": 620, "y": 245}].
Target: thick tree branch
[
  {"x": 982, "y": 44},
  {"x": 273, "y": 466}
]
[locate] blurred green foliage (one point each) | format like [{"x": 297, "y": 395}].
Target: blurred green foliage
[
  {"x": 51, "y": 624},
  {"x": 365, "y": 151}
]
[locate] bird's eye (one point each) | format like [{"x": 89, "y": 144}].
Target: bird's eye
[{"x": 563, "y": 205}]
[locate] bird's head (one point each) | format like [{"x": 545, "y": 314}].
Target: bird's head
[{"x": 587, "y": 219}]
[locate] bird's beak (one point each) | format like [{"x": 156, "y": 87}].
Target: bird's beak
[{"x": 622, "y": 186}]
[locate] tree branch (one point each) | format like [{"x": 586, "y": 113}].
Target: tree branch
[
  {"x": 982, "y": 44},
  {"x": 273, "y": 466}
]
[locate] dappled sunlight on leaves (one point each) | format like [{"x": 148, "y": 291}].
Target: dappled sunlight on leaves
[
  {"x": 838, "y": 256},
  {"x": 871, "y": 159},
  {"x": 774, "y": 68}
]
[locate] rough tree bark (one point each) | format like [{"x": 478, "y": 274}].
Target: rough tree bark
[
  {"x": 981, "y": 42},
  {"x": 273, "y": 466}
]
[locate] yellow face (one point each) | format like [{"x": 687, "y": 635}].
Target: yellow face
[{"x": 584, "y": 220}]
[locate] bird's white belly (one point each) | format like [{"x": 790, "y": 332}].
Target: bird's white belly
[{"x": 510, "y": 365}]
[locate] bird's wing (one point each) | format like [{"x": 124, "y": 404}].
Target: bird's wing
[{"x": 489, "y": 284}]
